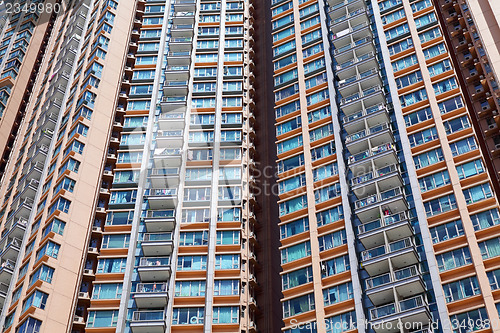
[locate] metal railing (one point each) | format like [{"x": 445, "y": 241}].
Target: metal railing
[{"x": 387, "y": 248}]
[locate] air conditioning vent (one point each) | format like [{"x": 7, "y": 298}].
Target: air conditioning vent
[{"x": 485, "y": 108}]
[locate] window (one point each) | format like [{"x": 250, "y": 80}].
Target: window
[
  {"x": 281, "y": 22},
  {"x": 460, "y": 289},
  {"x": 37, "y": 299},
  {"x": 293, "y": 205},
  {"x": 70, "y": 164},
  {"x": 434, "y": 51},
  {"x": 418, "y": 116},
  {"x": 290, "y": 163},
  {"x": 198, "y": 174},
  {"x": 404, "y": 63},
  {"x": 456, "y": 124},
  {"x": 400, "y": 46},
  {"x": 388, "y": 4},
  {"x": 283, "y": 48},
  {"x": 446, "y": 231},
  {"x": 451, "y": 104},
  {"x": 341, "y": 323},
  {"x": 66, "y": 183},
  {"x": 190, "y": 288},
  {"x": 225, "y": 314},
  {"x": 494, "y": 278},
  {"x": 298, "y": 305},
  {"x": 434, "y": 181},
  {"x": 120, "y": 218},
  {"x": 413, "y": 97},
  {"x": 126, "y": 177},
  {"x": 327, "y": 193},
  {"x": 289, "y": 144},
  {"x": 321, "y": 132},
  {"x": 422, "y": 137},
  {"x": 425, "y": 20},
  {"x": 107, "y": 318},
  {"x": 317, "y": 97},
  {"x": 332, "y": 240},
  {"x": 287, "y": 109},
  {"x": 288, "y": 126},
  {"x": 335, "y": 266},
  {"x": 107, "y": 291},
  {"x": 295, "y": 252},
  {"x": 111, "y": 265},
  {"x": 393, "y": 16},
  {"x": 312, "y": 37},
  {"x": 191, "y": 263},
  {"x": 440, "y": 67},
  {"x": 227, "y": 261},
  {"x": 291, "y": 59},
  {"x": 453, "y": 259},
  {"x": 463, "y": 146},
  {"x": 282, "y": 8},
  {"x": 197, "y": 194},
  {"x": 485, "y": 219},
  {"x": 429, "y": 34},
  {"x": 44, "y": 273},
  {"x": 397, "y": 32},
  {"x": 295, "y": 227},
  {"x": 119, "y": 241},
  {"x": 123, "y": 197},
  {"x": 329, "y": 216},
  {"x": 440, "y": 205},
  {"x": 325, "y": 171},
  {"x": 61, "y": 204},
  {"x": 470, "y": 169},
  {"x": 297, "y": 278},
  {"x": 226, "y": 287},
  {"x": 419, "y": 5},
  {"x": 409, "y": 79},
  {"x": 323, "y": 151},
  {"x": 75, "y": 146},
  {"x": 195, "y": 215},
  {"x": 283, "y": 33},
  {"x": 193, "y": 238},
  {"x": 308, "y": 10},
  {"x": 230, "y": 173},
  {"x": 312, "y": 50},
  {"x": 428, "y": 158},
  {"x": 50, "y": 249},
  {"x": 445, "y": 85},
  {"x": 285, "y": 77},
  {"x": 337, "y": 294},
  {"x": 475, "y": 320},
  {"x": 30, "y": 325},
  {"x": 186, "y": 316},
  {"x": 231, "y": 237},
  {"x": 477, "y": 193},
  {"x": 230, "y": 154}
]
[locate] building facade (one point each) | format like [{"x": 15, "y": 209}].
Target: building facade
[{"x": 234, "y": 166}]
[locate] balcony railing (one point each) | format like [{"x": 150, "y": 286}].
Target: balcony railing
[
  {"x": 170, "y": 152},
  {"x": 341, "y": 4},
  {"x": 160, "y": 214},
  {"x": 387, "y": 248},
  {"x": 345, "y": 82},
  {"x": 351, "y": 46},
  {"x": 368, "y": 153},
  {"x": 179, "y": 54},
  {"x": 358, "y": 95},
  {"x": 347, "y": 16},
  {"x": 397, "y": 307},
  {"x": 148, "y": 315},
  {"x": 154, "y": 261},
  {"x": 157, "y": 237},
  {"x": 177, "y": 68},
  {"x": 165, "y": 172},
  {"x": 167, "y": 134},
  {"x": 376, "y": 198},
  {"x": 374, "y": 174},
  {"x": 151, "y": 287},
  {"x": 175, "y": 83},
  {"x": 386, "y": 278},
  {"x": 379, "y": 223},
  {"x": 345, "y": 32},
  {"x": 360, "y": 114},
  {"x": 163, "y": 192},
  {"x": 366, "y": 132}
]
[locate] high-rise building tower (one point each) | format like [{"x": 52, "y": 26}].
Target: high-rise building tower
[{"x": 293, "y": 166}]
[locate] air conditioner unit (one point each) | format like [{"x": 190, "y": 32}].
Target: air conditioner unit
[
  {"x": 485, "y": 108},
  {"x": 78, "y": 319},
  {"x": 497, "y": 146},
  {"x": 92, "y": 249},
  {"x": 467, "y": 57},
  {"x": 479, "y": 90},
  {"x": 83, "y": 294},
  {"x": 88, "y": 271},
  {"x": 492, "y": 126}
]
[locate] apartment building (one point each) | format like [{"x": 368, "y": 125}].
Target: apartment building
[{"x": 139, "y": 138}]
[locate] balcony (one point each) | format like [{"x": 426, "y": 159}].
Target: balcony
[
  {"x": 39, "y": 153},
  {"x": 182, "y": 30},
  {"x": 163, "y": 178},
  {"x": 148, "y": 322},
  {"x": 411, "y": 310},
  {"x": 4, "y": 288},
  {"x": 169, "y": 139},
  {"x": 179, "y": 58},
  {"x": 183, "y": 17},
  {"x": 370, "y": 75},
  {"x": 154, "y": 269},
  {"x": 175, "y": 88},
  {"x": 23, "y": 209},
  {"x": 151, "y": 295},
  {"x": 177, "y": 73},
  {"x": 369, "y": 92},
  {"x": 407, "y": 282},
  {"x": 336, "y": 5},
  {"x": 167, "y": 157},
  {"x": 173, "y": 103},
  {"x": 6, "y": 270},
  {"x": 16, "y": 229},
  {"x": 162, "y": 198},
  {"x": 157, "y": 244},
  {"x": 395, "y": 226},
  {"x": 382, "y": 155},
  {"x": 11, "y": 249},
  {"x": 375, "y": 135},
  {"x": 33, "y": 170},
  {"x": 171, "y": 121},
  {"x": 160, "y": 220},
  {"x": 391, "y": 200},
  {"x": 389, "y": 174},
  {"x": 184, "y": 5},
  {"x": 339, "y": 16},
  {"x": 401, "y": 253}
]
